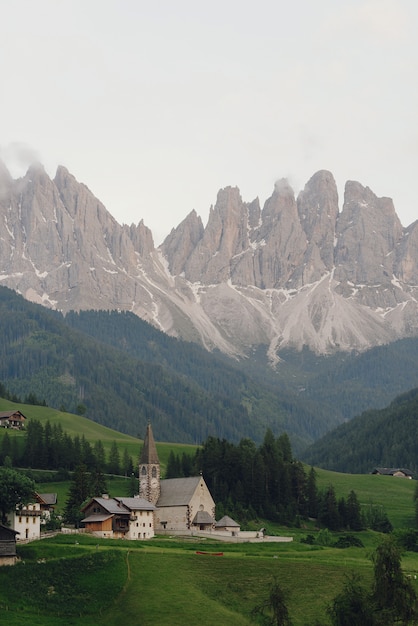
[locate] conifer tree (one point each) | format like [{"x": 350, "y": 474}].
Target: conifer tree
[{"x": 80, "y": 489}]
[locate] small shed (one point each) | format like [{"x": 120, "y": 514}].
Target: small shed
[
  {"x": 202, "y": 520},
  {"x": 226, "y": 523},
  {"x": 7, "y": 545}
]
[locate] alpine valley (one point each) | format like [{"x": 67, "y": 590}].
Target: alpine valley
[{"x": 306, "y": 298}]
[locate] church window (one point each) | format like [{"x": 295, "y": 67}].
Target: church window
[{"x": 144, "y": 470}]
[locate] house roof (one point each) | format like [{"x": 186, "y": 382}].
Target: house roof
[
  {"x": 389, "y": 471},
  {"x": 136, "y": 504},
  {"x": 5, "y": 531},
  {"x": 48, "y": 498},
  {"x": 120, "y": 505},
  {"x": 96, "y": 518},
  {"x": 226, "y": 521},
  {"x": 108, "y": 504},
  {"x": 7, "y": 414},
  {"x": 149, "y": 451},
  {"x": 202, "y": 517},
  {"x": 177, "y": 491}
]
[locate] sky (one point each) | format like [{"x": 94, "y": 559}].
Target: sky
[{"x": 155, "y": 106}]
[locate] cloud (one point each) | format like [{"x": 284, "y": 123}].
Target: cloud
[{"x": 18, "y": 157}]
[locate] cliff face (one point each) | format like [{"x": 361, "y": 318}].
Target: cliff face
[{"x": 295, "y": 272}]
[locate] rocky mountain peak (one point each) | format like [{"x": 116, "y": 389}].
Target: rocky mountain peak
[{"x": 296, "y": 272}]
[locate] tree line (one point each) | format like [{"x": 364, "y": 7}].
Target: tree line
[
  {"x": 249, "y": 481},
  {"x": 50, "y": 447}
]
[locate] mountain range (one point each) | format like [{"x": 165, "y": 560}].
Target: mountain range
[{"x": 296, "y": 272}]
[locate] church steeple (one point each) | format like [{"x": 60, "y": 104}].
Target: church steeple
[{"x": 149, "y": 469}]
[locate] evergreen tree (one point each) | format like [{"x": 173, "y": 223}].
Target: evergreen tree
[
  {"x": 275, "y": 607},
  {"x": 173, "y": 466},
  {"x": 99, "y": 454},
  {"x": 329, "y": 515},
  {"x": 80, "y": 489},
  {"x": 312, "y": 494},
  {"x": 354, "y": 521},
  {"x": 113, "y": 465},
  {"x": 127, "y": 465},
  {"x": 98, "y": 485}
]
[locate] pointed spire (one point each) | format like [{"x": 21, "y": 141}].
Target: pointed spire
[{"x": 149, "y": 451}]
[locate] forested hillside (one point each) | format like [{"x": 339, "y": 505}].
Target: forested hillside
[
  {"x": 376, "y": 438},
  {"x": 43, "y": 355}
]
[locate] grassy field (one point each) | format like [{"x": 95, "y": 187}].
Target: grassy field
[
  {"x": 395, "y": 495},
  {"x": 84, "y": 581}
]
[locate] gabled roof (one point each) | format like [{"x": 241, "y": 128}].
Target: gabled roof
[
  {"x": 226, "y": 521},
  {"x": 96, "y": 518},
  {"x": 177, "y": 491},
  {"x": 6, "y": 414},
  {"x": 149, "y": 451},
  {"x": 136, "y": 504},
  {"x": 108, "y": 504},
  {"x": 120, "y": 506},
  {"x": 48, "y": 498},
  {"x": 389, "y": 471}
]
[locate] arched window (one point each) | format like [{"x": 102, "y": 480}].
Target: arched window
[{"x": 144, "y": 470}]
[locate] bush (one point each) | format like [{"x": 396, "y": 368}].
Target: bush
[{"x": 348, "y": 541}]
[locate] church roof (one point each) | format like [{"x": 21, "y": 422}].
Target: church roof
[
  {"x": 149, "y": 451},
  {"x": 177, "y": 491}
]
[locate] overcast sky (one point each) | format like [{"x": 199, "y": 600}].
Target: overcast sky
[{"x": 155, "y": 106}]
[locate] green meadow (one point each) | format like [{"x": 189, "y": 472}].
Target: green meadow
[{"x": 80, "y": 580}]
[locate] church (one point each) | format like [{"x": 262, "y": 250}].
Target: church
[{"x": 182, "y": 504}]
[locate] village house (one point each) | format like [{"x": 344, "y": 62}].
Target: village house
[
  {"x": 392, "y": 471},
  {"x": 12, "y": 419},
  {"x": 182, "y": 504},
  {"x": 124, "y": 518},
  {"x": 7, "y": 545},
  {"x": 26, "y": 519}
]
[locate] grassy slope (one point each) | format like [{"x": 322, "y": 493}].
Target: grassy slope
[
  {"x": 78, "y": 425},
  {"x": 165, "y": 583},
  {"x": 394, "y": 494}
]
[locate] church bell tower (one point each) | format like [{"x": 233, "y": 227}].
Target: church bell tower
[{"x": 149, "y": 469}]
